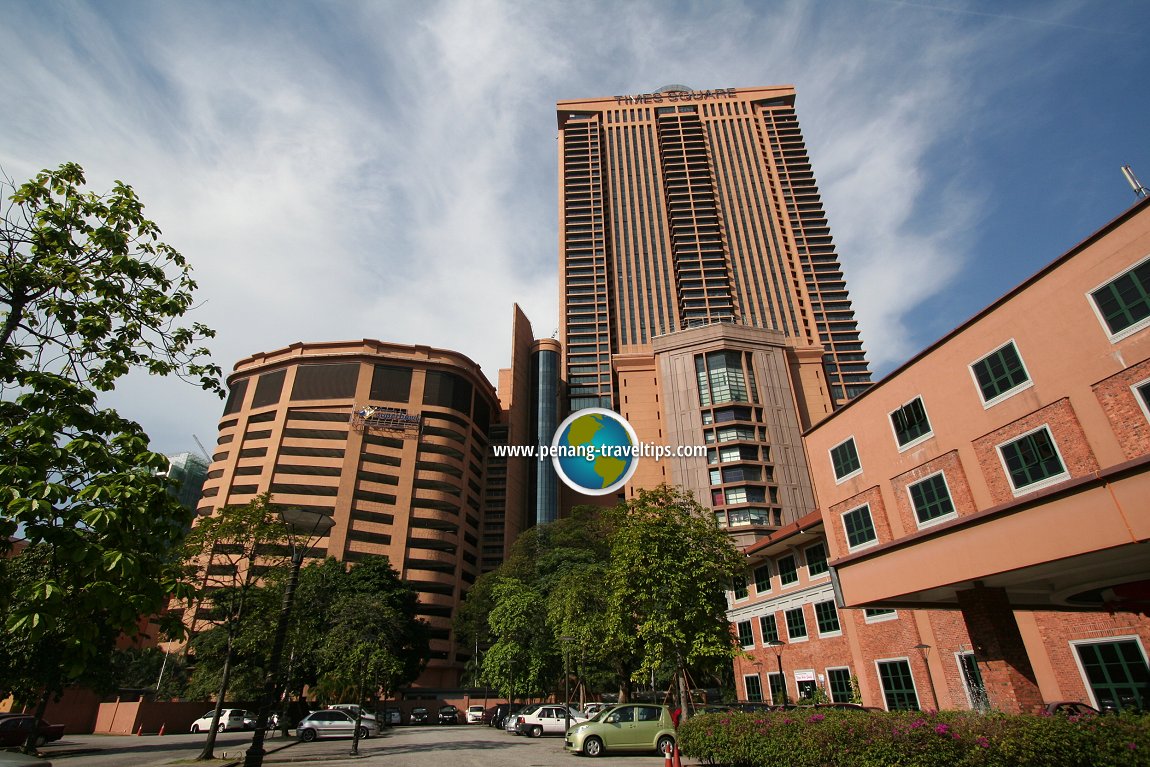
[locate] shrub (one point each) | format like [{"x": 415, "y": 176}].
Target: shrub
[{"x": 812, "y": 738}]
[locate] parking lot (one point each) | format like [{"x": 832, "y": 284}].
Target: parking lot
[{"x": 420, "y": 746}]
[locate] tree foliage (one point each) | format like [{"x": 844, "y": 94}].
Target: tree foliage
[
  {"x": 671, "y": 566},
  {"x": 88, "y": 293},
  {"x": 632, "y": 593}
]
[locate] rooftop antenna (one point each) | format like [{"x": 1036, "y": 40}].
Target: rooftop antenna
[{"x": 1139, "y": 190}]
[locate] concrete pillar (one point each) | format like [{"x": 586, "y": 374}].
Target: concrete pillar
[{"x": 1006, "y": 671}]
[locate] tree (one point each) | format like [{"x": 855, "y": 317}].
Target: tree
[
  {"x": 223, "y": 579},
  {"x": 88, "y": 293},
  {"x": 524, "y": 655},
  {"x": 671, "y": 566}
]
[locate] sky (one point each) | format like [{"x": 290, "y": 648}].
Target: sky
[{"x": 388, "y": 169}]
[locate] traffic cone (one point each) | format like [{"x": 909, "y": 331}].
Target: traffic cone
[
  {"x": 162, "y": 726},
  {"x": 140, "y": 731},
  {"x": 677, "y": 762},
  {"x": 667, "y": 758}
]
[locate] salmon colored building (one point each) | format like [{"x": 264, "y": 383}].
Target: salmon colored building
[
  {"x": 983, "y": 534},
  {"x": 389, "y": 440}
]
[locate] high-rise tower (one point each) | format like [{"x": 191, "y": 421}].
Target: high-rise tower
[{"x": 682, "y": 208}]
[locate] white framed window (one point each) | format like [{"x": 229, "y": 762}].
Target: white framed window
[
  {"x": 1000, "y": 374},
  {"x": 930, "y": 498},
  {"x": 910, "y": 424},
  {"x": 879, "y": 614},
  {"x": 1032, "y": 461},
  {"x": 1115, "y": 672},
  {"x": 1142, "y": 395},
  {"x": 827, "y": 619},
  {"x": 839, "y": 685},
  {"x": 898, "y": 688},
  {"x": 859, "y": 528},
  {"x": 754, "y": 687},
  {"x": 845, "y": 460},
  {"x": 1122, "y": 304},
  {"x": 796, "y": 625},
  {"x": 816, "y": 558}
]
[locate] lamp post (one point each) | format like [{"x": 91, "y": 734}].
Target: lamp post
[
  {"x": 566, "y": 679},
  {"x": 925, "y": 650},
  {"x": 779, "y": 658},
  {"x": 311, "y": 524}
]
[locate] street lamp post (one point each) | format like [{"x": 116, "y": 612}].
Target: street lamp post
[
  {"x": 779, "y": 658},
  {"x": 311, "y": 524},
  {"x": 566, "y": 681},
  {"x": 925, "y": 650}
]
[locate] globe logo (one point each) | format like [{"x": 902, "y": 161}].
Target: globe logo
[{"x": 595, "y": 451}]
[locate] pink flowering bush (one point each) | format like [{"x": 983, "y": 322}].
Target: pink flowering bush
[{"x": 830, "y": 738}]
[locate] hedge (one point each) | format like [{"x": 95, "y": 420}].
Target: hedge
[{"x": 833, "y": 738}]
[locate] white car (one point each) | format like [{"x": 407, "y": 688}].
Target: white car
[
  {"x": 231, "y": 719},
  {"x": 352, "y": 709},
  {"x": 548, "y": 720},
  {"x": 475, "y": 714}
]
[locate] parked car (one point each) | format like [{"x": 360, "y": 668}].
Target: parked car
[
  {"x": 1071, "y": 708},
  {"x": 475, "y": 714},
  {"x": 547, "y": 720},
  {"x": 500, "y": 714},
  {"x": 351, "y": 709},
  {"x": 392, "y": 716},
  {"x": 626, "y": 727},
  {"x": 332, "y": 723},
  {"x": 448, "y": 714},
  {"x": 231, "y": 719},
  {"x": 14, "y": 730},
  {"x": 512, "y": 724},
  {"x": 593, "y": 708},
  {"x": 419, "y": 716}
]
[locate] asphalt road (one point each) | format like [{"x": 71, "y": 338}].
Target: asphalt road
[{"x": 423, "y": 746}]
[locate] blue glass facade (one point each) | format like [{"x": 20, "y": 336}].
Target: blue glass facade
[{"x": 545, "y": 363}]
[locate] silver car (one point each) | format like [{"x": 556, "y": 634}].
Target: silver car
[{"x": 334, "y": 724}]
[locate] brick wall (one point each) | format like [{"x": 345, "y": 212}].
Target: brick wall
[
  {"x": 1068, "y": 435},
  {"x": 1127, "y": 418}
]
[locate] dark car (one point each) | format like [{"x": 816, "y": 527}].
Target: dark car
[
  {"x": 502, "y": 711},
  {"x": 419, "y": 716},
  {"x": 14, "y": 730},
  {"x": 1071, "y": 708},
  {"x": 448, "y": 714}
]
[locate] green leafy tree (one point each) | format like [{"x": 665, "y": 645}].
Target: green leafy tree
[
  {"x": 88, "y": 293},
  {"x": 670, "y": 568},
  {"x": 524, "y": 655},
  {"x": 228, "y": 553}
]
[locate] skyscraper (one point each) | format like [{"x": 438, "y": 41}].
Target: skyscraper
[{"x": 681, "y": 208}]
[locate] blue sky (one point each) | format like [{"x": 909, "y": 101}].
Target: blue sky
[{"x": 339, "y": 170}]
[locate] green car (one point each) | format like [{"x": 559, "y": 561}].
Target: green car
[{"x": 625, "y": 727}]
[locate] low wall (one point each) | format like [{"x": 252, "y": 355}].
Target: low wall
[{"x": 127, "y": 718}]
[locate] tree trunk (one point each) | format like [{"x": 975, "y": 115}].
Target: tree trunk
[
  {"x": 30, "y": 745},
  {"x": 684, "y": 695}
]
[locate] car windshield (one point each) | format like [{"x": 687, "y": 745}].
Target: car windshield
[{"x": 599, "y": 716}]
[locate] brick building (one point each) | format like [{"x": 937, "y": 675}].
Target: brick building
[{"x": 992, "y": 495}]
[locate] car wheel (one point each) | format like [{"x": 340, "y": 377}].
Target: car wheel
[
  {"x": 593, "y": 747},
  {"x": 364, "y": 733},
  {"x": 537, "y": 731},
  {"x": 195, "y": 728},
  {"x": 666, "y": 745},
  {"x": 307, "y": 735},
  {"x": 221, "y": 727}
]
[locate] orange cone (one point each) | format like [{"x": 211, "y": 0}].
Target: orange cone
[
  {"x": 140, "y": 731},
  {"x": 162, "y": 726},
  {"x": 667, "y": 758},
  {"x": 678, "y": 762}
]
